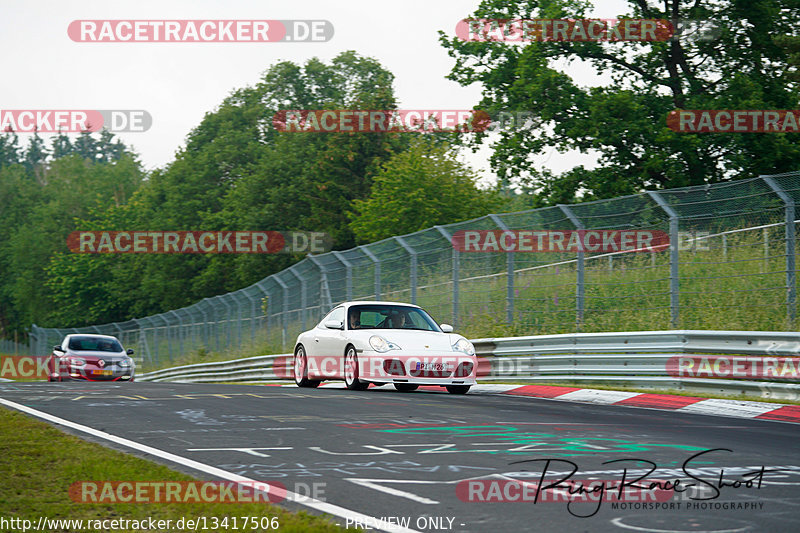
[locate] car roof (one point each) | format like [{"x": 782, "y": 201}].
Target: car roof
[
  {"x": 95, "y": 335},
  {"x": 376, "y": 302}
]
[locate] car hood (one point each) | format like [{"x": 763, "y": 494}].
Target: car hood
[
  {"x": 97, "y": 355},
  {"x": 415, "y": 340}
]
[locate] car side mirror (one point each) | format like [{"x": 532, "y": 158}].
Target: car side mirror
[
  {"x": 447, "y": 328},
  {"x": 58, "y": 348},
  {"x": 334, "y": 324},
  {"x": 129, "y": 351}
]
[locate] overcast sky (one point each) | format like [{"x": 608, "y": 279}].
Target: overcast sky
[{"x": 177, "y": 83}]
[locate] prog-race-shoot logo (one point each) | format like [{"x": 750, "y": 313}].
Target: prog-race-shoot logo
[{"x": 200, "y": 31}]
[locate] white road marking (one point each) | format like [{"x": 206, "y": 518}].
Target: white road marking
[
  {"x": 597, "y": 396},
  {"x": 211, "y": 470},
  {"x": 729, "y": 408}
]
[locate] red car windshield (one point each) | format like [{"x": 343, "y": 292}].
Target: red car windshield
[{"x": 94, "y": 344}]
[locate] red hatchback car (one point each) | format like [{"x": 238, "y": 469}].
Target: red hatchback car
[{"x": 91, "y": 358}]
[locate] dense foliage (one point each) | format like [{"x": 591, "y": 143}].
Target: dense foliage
[
  {"x": 236, "y": 172},
  {"x": 744, "y": 62}
]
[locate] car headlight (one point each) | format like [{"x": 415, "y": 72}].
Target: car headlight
[
  {"x": 463, "y": 345},
  {"x": 77, "y": 361},
  {"x": 124, "y": 362},
  {"x": 379, "y": 344}
]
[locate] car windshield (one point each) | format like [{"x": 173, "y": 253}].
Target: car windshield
[
  {"x": 94, "y": 344},
  {"x": 376, "y": 316}
]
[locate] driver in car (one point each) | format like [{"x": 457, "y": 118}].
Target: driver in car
[{"x": 354, "y": 320}]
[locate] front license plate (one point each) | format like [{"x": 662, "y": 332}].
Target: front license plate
[
  {"x": 101, "y": 372},
  {"x": 437, "y": 367}
]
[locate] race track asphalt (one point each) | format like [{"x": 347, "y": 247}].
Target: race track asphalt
[{"x": 427, "y": 459}]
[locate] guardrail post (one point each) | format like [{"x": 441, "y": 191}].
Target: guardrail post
[
  {"x": 674, "y": 286},
  {"x": 302, "y": 295},
  {"x": 377, "y": 267},
  {"x": 413, "y": 272},
  {"x": 580, "y": 270},
  {"x": 791, "y": 288},
  {"x": 285, "y": 312},
  {"x": 509, "y": 273},
  {"x": 348, "y": 266},
  {"x": 456, "y": 264}
]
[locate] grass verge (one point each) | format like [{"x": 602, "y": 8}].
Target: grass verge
[{"x": 39, "y": 463}]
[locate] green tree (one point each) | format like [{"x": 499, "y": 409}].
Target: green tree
[
  {"x": 236, "y": 172},
  {"x": 741, "y": 67},
  {"x": 418, "y": 188},
  {"x": 9, "y": 149}
]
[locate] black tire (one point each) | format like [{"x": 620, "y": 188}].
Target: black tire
[
  {"x": 351, "y": 370},
  {"x": 457, "y": 389},
  {"x": 301, "y": 369},
  {"x": 406, "y": 387}
]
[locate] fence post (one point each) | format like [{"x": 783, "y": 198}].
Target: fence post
[
  {"x": 413, "y": 273},
  {"x": 377, "y": 266},
  {"x": 253, "y": 314},
  {"x": 324, "y": 290},
  {"x": 348, "y": 266},
  {"x": 509, "y": 273},
  {"x": 180, "y": 332},
  {"x": 206, "y": 324},
  {"x": 580, "y": 270},
  {"x": 456, "y": 264},
  {"x": 265, "y": 294},
  {"x": 302, "y": 295},
  {"x": 227, "y": 321},
  {"x": 674, "y": 287},
  {"x": 791, "y": 289},
  {"x": 34, "y": 342},
  {"x": 285, "y": 312}
]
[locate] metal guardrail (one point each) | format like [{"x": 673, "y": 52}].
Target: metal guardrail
[
  {"x": 630, "y": 359},
  {"x": 250, "y": 369}
]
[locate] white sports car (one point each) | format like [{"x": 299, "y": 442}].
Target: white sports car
[{"x": 384, "y": 342}]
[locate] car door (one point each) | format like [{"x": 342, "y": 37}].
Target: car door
[{"x": 328, "y": 345}]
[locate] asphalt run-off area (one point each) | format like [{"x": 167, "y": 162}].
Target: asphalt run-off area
[{"x": 428, "y": 461}]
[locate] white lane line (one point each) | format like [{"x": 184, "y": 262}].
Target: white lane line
[
  {"x": 212, "y": 470},
  {"x": 374, "y": 485}
]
